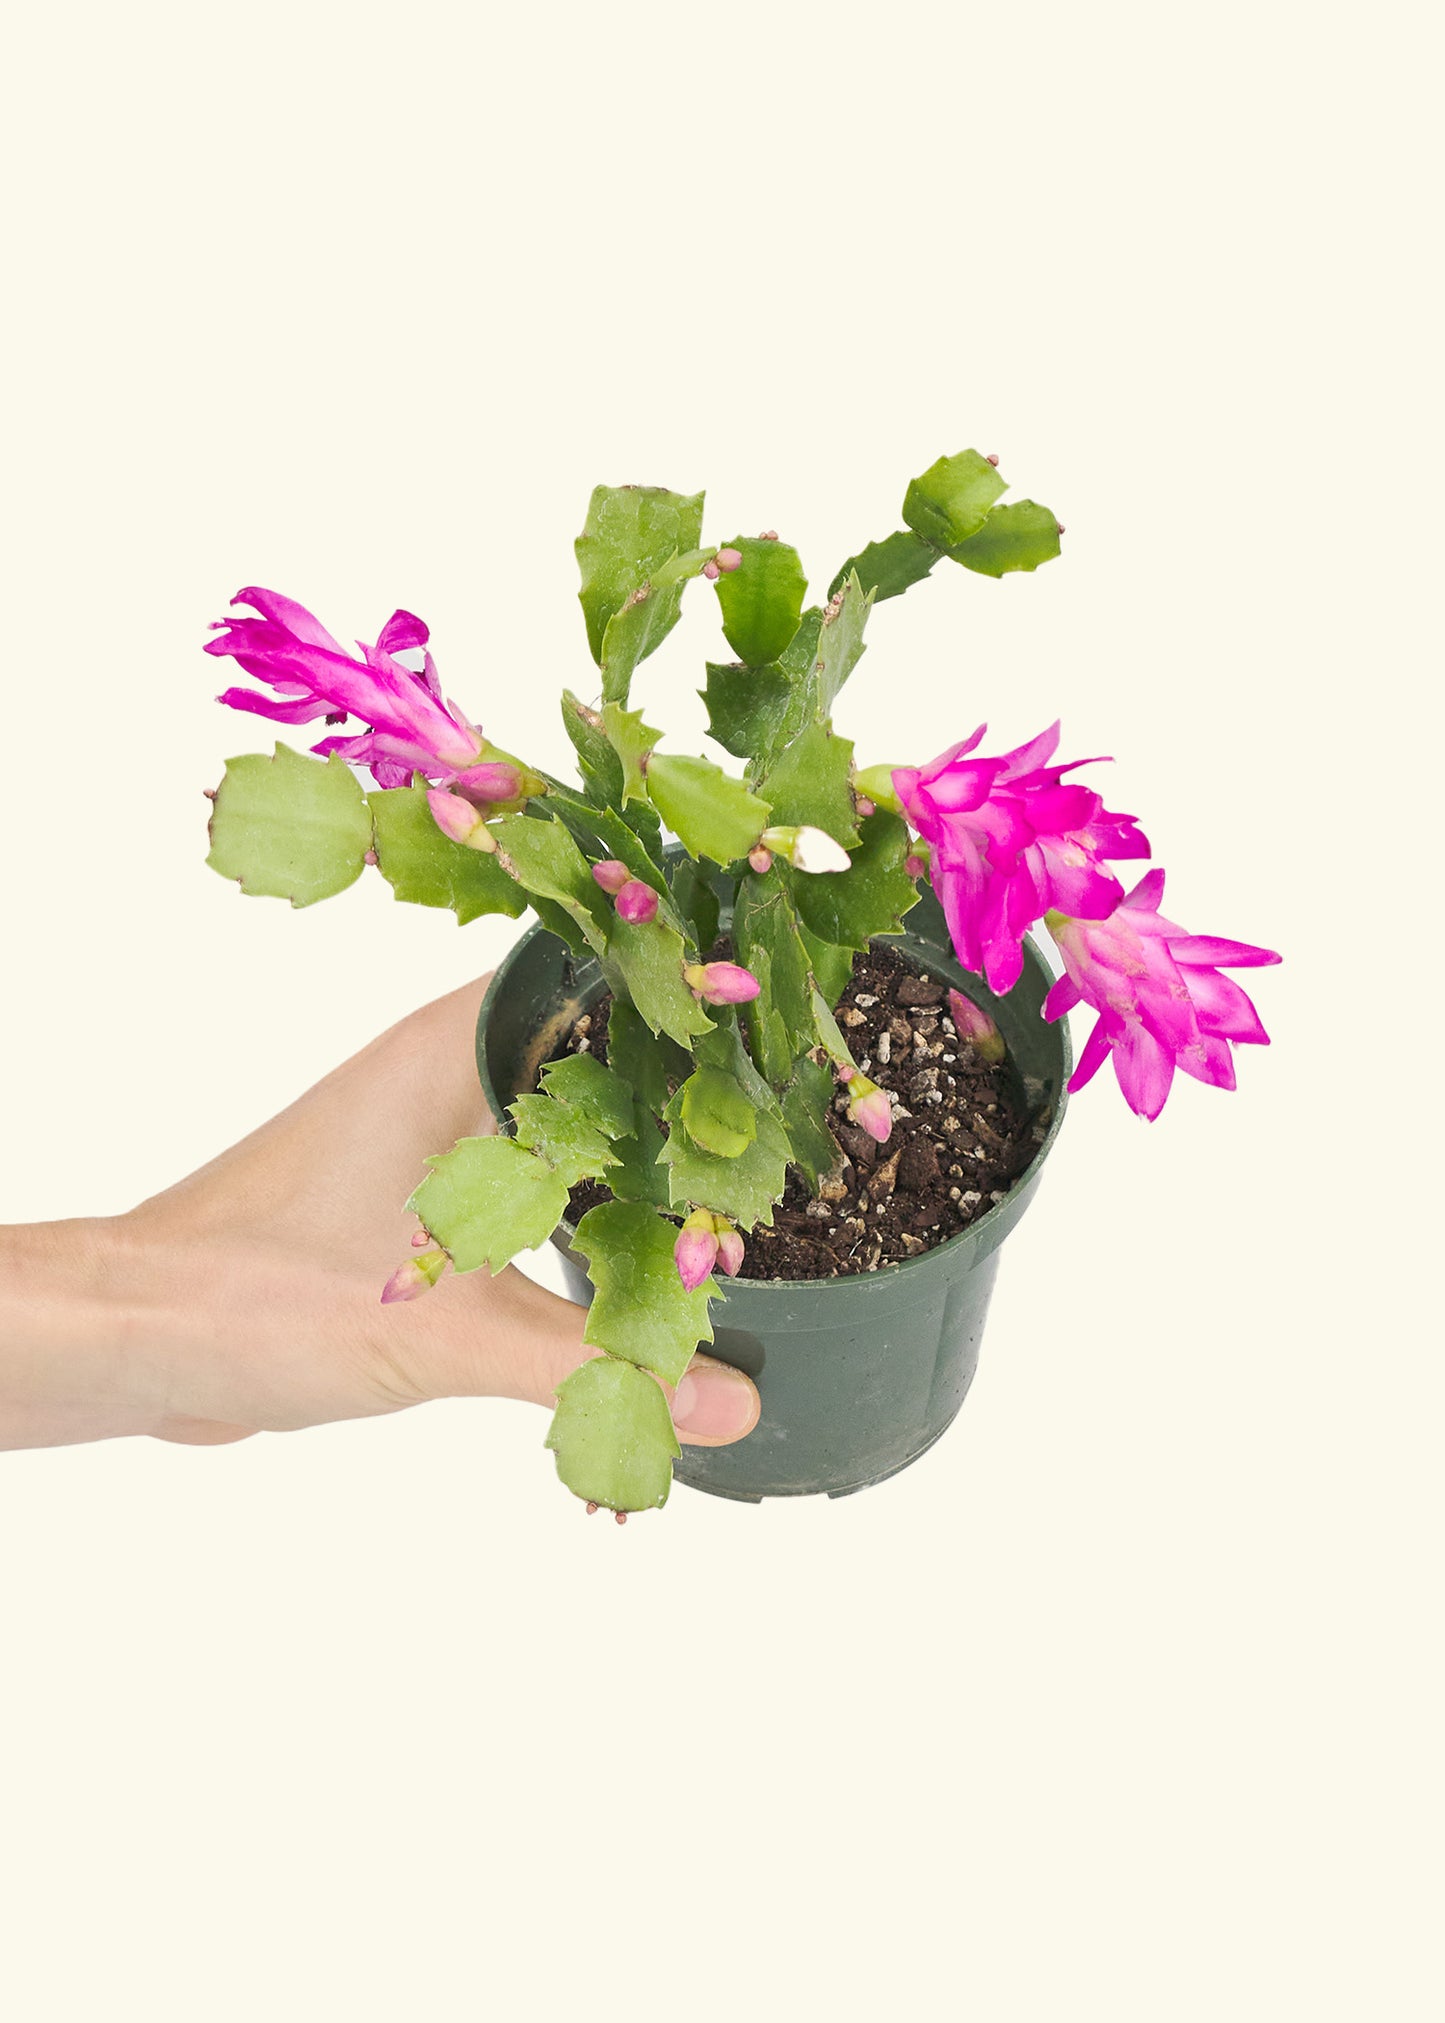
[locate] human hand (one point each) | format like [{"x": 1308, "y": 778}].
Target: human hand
[{"x": 247, "y": 1298}]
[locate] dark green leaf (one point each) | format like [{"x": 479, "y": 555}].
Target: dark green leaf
[
  {"x": 1020, "y": 536},
  {"x": 288, "y": 827},
  {"x": 767, "y": 941},
  {"x": 640, "y": 1309},
  {"x": 831, "y": 966},
  {"x": 744, "y": 1187},
  {"x": 695, "y": 898},
  {"x": 871, "y": 897},
  {"x": 632, "y": 740},
  {"x": 645, "y": 620},
  {"x": 427, "y": 868},
  {"x": 639, "y": 1174},
  {"x": 487, "y": 1199},
  {"x": 806, "y": 1108},
  {"x": 811, "y": 783},
  {"x": 747, "y": 708},
  {"x": 613, "y": 1437},
  {"x": 951, "y": 499},
  {"x": 888, "y": 567},
  {"x": 647, "y": 1061},
  {"x": 548, "y": 863},
  {"x": 762, "y": 599},
  {"x": 840, "y": 645},
  {"x": 600, "y": 767}
]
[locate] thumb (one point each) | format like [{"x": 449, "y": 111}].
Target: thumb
[{"x": 530, "y": 1341}]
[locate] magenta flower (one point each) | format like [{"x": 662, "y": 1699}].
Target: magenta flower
[
  {"x": 411, "y": 727},
  {"x": 1161, "y": 1001},
  {"x": 1008, "y": 839},
  {"x": 637, "y": 902},
  {"x": 695, "y": 1251},
  {"x": 721, "y": 982}
]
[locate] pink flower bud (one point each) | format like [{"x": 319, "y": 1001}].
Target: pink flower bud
[
  {"x": 458, "y": 819},
  {"x": 729, "y": 559},
  {"x": 992, "y": 460},
  {"x": 611, "y": 875},
  {"x": 915, "y": 866},
  {"x": 710, "y": 570},
  {"x": 695, "y": 1251},
  {"x": 729, "y": 1252},
  {"x": 771, "y": 534},
  {"x": 721, "y": 982},
  {"x": 637, "y": 902},
  {"x": 760, "y": 859},
  {"x": 418, "y": 1275},
  {"x": 865, "y": 807},
  {"x": 869, "y": 1108},
  {"x": 421, "y": 1239},
  {"x": 491, "y": 781},
  {"x": 975, "y": 1026}
]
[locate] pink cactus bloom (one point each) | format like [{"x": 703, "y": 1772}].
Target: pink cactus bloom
[
  {"x": 1161, "y": 1001},
  {"x": 730, "y": 1252},
  {"x": 721, "y": 982},
  {"x": 637, "y": 902},
  {"x": 611, "y": 874},
  {"x": 1009, "y": 839},
  {"x": 973, "y": 1024},
  {"x": 695, "y": 1251},
  {"x": 412, "y": 728},
  {"x": 869, "y": 1107}
]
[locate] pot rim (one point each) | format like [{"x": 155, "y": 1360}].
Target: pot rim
[{"x": 934, "y": 962}]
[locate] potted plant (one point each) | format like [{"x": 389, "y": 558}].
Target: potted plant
[{"x": 779, "y": 1065}]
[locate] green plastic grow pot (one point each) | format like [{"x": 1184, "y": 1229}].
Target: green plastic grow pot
[{"x": 858, "y": 1376}]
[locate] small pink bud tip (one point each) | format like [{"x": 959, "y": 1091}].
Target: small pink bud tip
[
  {"x": 760, "y": 859},
  {"x": 845, "y": 1071},
  {"x": 695, "y": 1252},
  {"x": 864, "y": 806},
  {"x": 611, "y": 874},
  {"x": 453, "y": 816},
  {"x": 729, "y": 1252},
  {"x": 209, "y": 792},
  {"x": 637, "y": 902},
  {"x": 711, "y": 571},
  {"x": 370, "y": 858},
  {"x": 1060, "y": 525},
  {"x": 915, "y": 866},
  {"x": 418, "y": 1275},
  {"x": 770, "y": 535},
  {"x": 620, "y": 1515},
  {"x": 721, "y": 982},
  {"x": 592, "y": 1510},
  {"x": 869, "y": 1108},
  {"x": 421, "y": 1239},
  {"x": 729, "y": 559},
  {"x": 992, "y": 460},
  {"x": 973, "y": 1024}
]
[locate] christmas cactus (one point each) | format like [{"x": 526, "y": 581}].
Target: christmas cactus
[{"x": 725, "y": 1065}]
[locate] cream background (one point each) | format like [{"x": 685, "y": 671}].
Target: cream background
[{"x": 1123, "y": 1704}]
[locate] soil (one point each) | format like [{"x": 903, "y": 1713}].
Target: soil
[{"x": 963, "y": 1133}]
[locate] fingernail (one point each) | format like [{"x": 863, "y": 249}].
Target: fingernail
[{"x": 714, "y": 1402}]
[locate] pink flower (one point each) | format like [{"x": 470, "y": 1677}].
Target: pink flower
[
  {"x": 695, "y": 1251},
  {"x": 721, "y": 982},
  {"x": 637, "y": 902},
  {"x": 1161, "y": 1001},
  {"x": 411, "y": 727},
  {"x": 1009, "y": 838}
]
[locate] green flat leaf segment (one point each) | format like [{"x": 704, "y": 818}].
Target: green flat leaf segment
[
  {"x": 570, "y": 1143},
  {"x": 289, "y": 827},
  {"x": 647, "y": 1061},
  {"x": 952, "y": 498},
  {"x": 545, "y": 860},
  {"x": 613, "y": 1436},
  {"x": 598, "y": 763},
  {"x": 1018, "y": 536},
  {"x": 487, "y": 1199},
  {"x": 631, "y": 531},
  {"x": 762, "y": 599},
  {"x": 716, "y": 1113},
  {"x": 749, "y": 708},
  {"x": 744, "y": 1187},
  {"x": 645, "y": 620},
  {"x": 632, "y": 740},
  {"x": 640, "y": 1309},
  {"x": 811, "y": 782},
  {"x": 847, "y": 908},
  {"x": 806, "y": 1106},
  {"x": 643, "y": 961},
  {"x": 840, "y": 644},
  {"x": 766, "y": 936},
  {"x": 593, "y": 1090},
  {"x": 889, "y": 567},
  {"x": 711, "y": 813},
  {"x": 427, "y": 868}
]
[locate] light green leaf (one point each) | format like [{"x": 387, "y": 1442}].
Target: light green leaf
[
  {"x": 952, "y": 498},
  {"x": 602, "y": 1097},
  {"x": 888, "y": 567},
  {"x": 806, "y": 1108},
  {"x": 613, "y": 1437},
  {"x": 716, "y": 1114},
  {"x": 1019, "y": 536},
  {"x": 632, "y": 740},
  {"x": 644, "y": 961},
  {"x": 603, "y": 833},
  {"x": 811, "y": 782},
  {"x": 645, "y": 620},
  {"x": 487, "y": 1199},
  {"x": 640, "y": 1309},
  {"x": 425, "y": 867},
  {"x": 711, "y": 813},
  {"x": 289, "y": 827},
  {"x": 762, "y": 599},
  {"x": 744, "y": 1187},
  {"x": 548, "y": 863},
  {"x": 569, "y": 1142},
  {"x": 870, "y": 897},
  {"x": 631, "y": 531},
  {"x": 598, "y": 763}
]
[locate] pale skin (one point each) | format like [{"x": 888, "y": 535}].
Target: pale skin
[{"x": 246, "y": 1298}]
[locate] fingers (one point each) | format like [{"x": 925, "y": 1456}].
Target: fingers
[{"x": 714, "y": 1405}]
